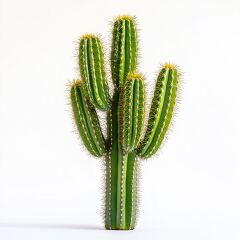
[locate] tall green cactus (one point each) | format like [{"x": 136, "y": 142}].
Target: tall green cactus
[{"x": 124, "y": 143}]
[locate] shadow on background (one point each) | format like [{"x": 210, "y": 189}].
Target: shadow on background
[{"x": 51, "y": 226}]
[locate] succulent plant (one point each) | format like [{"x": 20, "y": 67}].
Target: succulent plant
[{"x": 125, "y": 142}]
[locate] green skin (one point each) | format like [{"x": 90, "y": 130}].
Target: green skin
[{"x": 125, "y": 116}]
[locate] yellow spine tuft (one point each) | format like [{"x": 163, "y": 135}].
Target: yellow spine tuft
[
  {"x": 170, "y": 66},
  {"x": 124, "y": 17},
  {"x": 89, "y": 36},
  {"x": 135, "y": 75}
]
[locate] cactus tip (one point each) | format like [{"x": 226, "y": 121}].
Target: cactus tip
[
  {"x": 170, "y": 66},
  {"x": 125, "y": 17},
  {"x": 75, "y": 82},
  {"x": 89, "y": 36},
  {"x": 135, "y": 75}
]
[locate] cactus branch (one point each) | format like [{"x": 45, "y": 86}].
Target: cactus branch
[
  {"x": 161, "y": 110},
  {"x": 91, "y": 61},
  {"x": 87, "y": 121},
  {"x": 132, "y": 111}
]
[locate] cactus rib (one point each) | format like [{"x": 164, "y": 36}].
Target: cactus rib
[
  {"x": 115, "y": 156},
  {"x": 131, "y": 191}
]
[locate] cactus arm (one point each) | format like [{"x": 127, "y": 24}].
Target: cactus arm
[
  {"x": 132, "y": 111},
  {"x": 161, "y": 111},
  {"x": 91, "y": 61},
  {"x": 86, "y": 121},
  {"x": 124, "y": 49}
]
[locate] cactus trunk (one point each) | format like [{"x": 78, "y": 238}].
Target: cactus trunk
[{"x": 121, "y": 176}]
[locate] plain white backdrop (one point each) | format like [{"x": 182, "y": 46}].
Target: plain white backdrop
[{"x": 50, "y": 188}]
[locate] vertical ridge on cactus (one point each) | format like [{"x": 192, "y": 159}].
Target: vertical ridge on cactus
[{"x": 123, "y": 147}]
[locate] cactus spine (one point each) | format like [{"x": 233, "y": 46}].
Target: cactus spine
[{"x": 125, "y": 116}]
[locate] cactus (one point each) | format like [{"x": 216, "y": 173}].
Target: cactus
[{"x": 125, "y": 142}]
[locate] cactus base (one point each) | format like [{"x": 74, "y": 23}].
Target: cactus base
[{"x": 121, "y": 192}]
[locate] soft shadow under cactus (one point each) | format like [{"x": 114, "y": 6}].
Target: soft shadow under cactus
[{"x": 125, "y": 116}]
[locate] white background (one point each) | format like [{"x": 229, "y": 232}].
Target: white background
[{"x": 50, "y": 188}]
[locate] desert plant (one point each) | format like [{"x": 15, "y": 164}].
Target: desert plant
[{"x": 125, "y": 115}]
